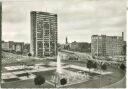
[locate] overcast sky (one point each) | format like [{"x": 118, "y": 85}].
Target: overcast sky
[{"x": 77, "y": 19}]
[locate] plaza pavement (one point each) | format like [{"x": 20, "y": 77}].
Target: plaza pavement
[
  {"x": 26, "y": 82},
  {"x": 39, "y": 68},
  {"x": 92, "y": 70}
]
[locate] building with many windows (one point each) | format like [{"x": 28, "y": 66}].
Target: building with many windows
[
  {"x": 5, "y": 46},
  {"x": 19, "y": 46},
  {"x": 11, "y": 46},
  {"x": 107, "y": 46},
  {"x": 26, "y": 48},
  {"x": 43, "y": 34}
]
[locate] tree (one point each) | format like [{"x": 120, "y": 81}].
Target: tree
[
  {"x": 39, "y": 80},
  {"x": 63, "y": 81},
  {"x": 66, "y": 47},
  {"x": 29, "y": 54},
  {"x": 122, "y": 66},
  {"x": 95, "y": 65},
  {"x": 124, "y": 49},
  {"x": 46, "y": 62},
  {"x": 89, "y": 64},
  {"x": 103, "y": 67}
]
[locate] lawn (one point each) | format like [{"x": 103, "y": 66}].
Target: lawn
[
  {"x": 24, "y": 84},
  {"x": 46, "y": 74}
]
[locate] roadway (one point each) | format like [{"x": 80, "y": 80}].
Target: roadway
[
  {"x": 119, "y": 84},
  {"x": 87, "y": 56}
]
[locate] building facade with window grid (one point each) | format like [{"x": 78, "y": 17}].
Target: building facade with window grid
[
  {"x": 43, "y": 34},
  {"x": 106, "y": 46}
]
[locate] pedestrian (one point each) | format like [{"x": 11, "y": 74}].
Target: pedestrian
[{"x": 27, "y": 75}]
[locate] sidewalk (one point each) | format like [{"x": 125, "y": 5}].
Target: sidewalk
[
  {"x": 119, "y": 84},
  {"x": 91, "y": 70}
]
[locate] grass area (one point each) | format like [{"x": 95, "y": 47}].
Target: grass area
[
  {"x": 46, "y": 74},
  {"x": 25, "y": 84},
  {"x": 78, "y": 63},
  {"x": 11, "y": 79},
  {"x": 23, "y": 74},
  {"x": 47, "y": 66}
]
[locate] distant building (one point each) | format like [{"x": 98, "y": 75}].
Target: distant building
[
  {"x": 5, "y": 46},
  {"x": 12, "y": 46},
  {"x": 124, "y": 48},
  {"x": 43, "y": 34},
  {"x": 106, "y": 46},
  {"x": 77, "y": 46},
  {"x": 26, "y": 48},
  {"x": 19, "y": 47},
  {"x": 74, "y": 46},
  {"x": 80, "y": 46}
]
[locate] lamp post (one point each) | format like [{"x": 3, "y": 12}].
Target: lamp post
[
  {"x": 100, "y": 74},
  {"x": 99, "y": 63},
  {"x": 55, "y": 78}
]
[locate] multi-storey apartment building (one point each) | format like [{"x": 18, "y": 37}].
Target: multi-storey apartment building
[
  {"x": 5, "y": 46},
  {"x": 12, "y": 46},
  {"x": 19, "y": 46},
  {"x": 26, "y": 48},
  {"x": 107, "y": 46},
  {"x": 43, "y": 34}
]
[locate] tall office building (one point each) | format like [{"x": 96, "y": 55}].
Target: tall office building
[
  {"x": 43, "y": 34},
  {"x": 107, "y": 46}
]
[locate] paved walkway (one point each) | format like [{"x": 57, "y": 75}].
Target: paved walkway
[
  {"x": 92, "y": 70},
  {"x": 119, "y": 84}
]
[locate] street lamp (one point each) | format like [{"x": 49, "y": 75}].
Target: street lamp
[{"x": 100, "y": 74}]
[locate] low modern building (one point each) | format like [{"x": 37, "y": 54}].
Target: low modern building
[
  {"x": 26, "y": 48},
  {"x": 5, "y": 46},
  {"x": 74, "y": 46},
  {"x": 19, "y": 47},
  {"x": 12, "y": 46},
  {"x": 107, "y": 46}
]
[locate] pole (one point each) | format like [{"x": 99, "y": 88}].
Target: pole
[
  {"x": 0, "y": 40},
  {"x": 100, "y": 75},
  {"x": 100, "y": 61},
  {"x": 55, "y": 80},
  {"x": 97, "y": 46}
]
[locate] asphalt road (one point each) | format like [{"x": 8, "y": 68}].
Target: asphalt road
[{"x": 119, "y": 84}]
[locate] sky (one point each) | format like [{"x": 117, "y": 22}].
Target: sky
[{"x": 77, "y": 19}]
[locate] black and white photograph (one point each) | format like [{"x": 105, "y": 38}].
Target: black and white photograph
[{"x": 63, "y": 43}]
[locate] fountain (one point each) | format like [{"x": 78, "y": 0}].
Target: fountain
[
  {"x": 59, "y": 69},
  {"x": 70, "y": 76}
]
